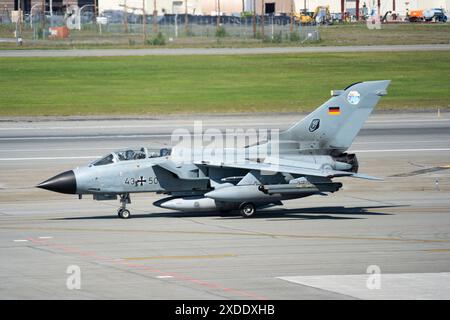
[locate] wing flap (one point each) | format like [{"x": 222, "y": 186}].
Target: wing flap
[{"x": 270, "y": 167}]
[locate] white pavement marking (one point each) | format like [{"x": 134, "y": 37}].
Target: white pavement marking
[
  {"x": 82, "y": 127},
  {"x": 20, "y": 240},
  {"x": 407, "y": 120},
  {"x": 207, "y": 123},
  {"x": 403, "y": 286},
  {"x": 48, "y": 158},
  {"x": 362, "y": 142},
  {"x": 125, "y": 147},
  {"x": 98, "y": 156},
  {"x": 164, "y": 277},
  {"x": 45, "y": 237},
  {"x": 84, "y": 149},
  {"x": 93, "y": 137},
  {"x": 106, "y": 137},
  {"x": 402, "y": 150}
]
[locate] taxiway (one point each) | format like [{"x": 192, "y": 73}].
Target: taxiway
[{"x": 313, "y": 248}]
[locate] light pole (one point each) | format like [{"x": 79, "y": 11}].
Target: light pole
[
  {"x": 379, "y": 8},
  {"x": 18, "y": 31},
  {"x": 218, "y": 14},
  {"x": 262, "y": 18},
  {"x": 186, "y": 26},
  {"x": 43, "y": 18},
  {"x": 144, "y": 23},
  {"x": 254, "y": 19},
  {"x": 291, "y": 29},
  {"x": 125, "y": 16},
  {"x": 155, "y": 18},
  {"x": 176, "y": 24},
  {"x": 94, "y": 16}
]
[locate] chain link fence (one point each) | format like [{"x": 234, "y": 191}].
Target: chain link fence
[{"x": 125, "y": 28}]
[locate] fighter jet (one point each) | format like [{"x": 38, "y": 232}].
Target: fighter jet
[{"x": 309, "y": 156}]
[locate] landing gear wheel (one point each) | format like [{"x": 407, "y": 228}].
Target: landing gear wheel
[
  {"x": 124, "y": 213},
  {"x": 247, "y": 210}
]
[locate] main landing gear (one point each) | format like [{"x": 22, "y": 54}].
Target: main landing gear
[
  {"x": 123, "y": 212},
  {"x": 247, "y": 209}
]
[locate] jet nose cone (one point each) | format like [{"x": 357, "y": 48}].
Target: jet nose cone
[{"x": 64, "y": 183}]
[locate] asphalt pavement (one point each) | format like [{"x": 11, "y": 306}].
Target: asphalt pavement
[
  {"x": 322, "y": 247},
  {"x": 218, "y": 51}
]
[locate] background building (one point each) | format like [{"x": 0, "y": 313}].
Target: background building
[
  {"x": 230, "y": 7},
  {"x": 385, "y": 5},
  {"x": 235, "y": 7},
  {"x": 26, "y": 5},
  {"x": 163, "y": 6}
]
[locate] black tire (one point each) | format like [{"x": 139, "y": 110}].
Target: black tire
[
  {"x": 247, "y": 210},
  {"x": 124, "y": 214}
]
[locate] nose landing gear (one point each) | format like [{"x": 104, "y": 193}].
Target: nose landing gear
[{"x": 123, "y": 212}]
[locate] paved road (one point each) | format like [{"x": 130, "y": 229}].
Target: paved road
[
  {"x": 299, "y": 251},
  {"x": 218, "y": 51}
]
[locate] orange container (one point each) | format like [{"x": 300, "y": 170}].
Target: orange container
[
  {"x": 59, "y": 32},
  {"x": 416, "y": 14}
]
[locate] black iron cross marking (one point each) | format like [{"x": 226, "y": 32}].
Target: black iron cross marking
[{"x": 141, "y": 181}]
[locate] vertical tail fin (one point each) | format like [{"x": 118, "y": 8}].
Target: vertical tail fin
[{"x": 335, "y": 124}]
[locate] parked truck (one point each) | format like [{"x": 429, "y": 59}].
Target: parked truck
[{"x": 435, "y": 14}]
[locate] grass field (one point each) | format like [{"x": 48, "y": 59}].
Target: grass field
[
  {"x": 338, "y": 34},
  {"x": 405, "y": 33},
  {"x": 211, "y": 84}
]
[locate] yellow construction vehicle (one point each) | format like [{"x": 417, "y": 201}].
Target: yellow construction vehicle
[
  {"x": 321, "y": 15},
  {"x": 304, "y": 18}
]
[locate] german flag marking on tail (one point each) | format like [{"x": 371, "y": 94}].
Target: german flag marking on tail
[{"x": 334, "y": 111}]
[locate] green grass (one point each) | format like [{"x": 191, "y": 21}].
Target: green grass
[
  {"x": 211, "y": 84},
  {"x": 408, "y": 33},
  {"x": 338, "y": 34}
]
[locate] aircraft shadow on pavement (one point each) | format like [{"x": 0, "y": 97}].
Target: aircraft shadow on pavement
[{"x": 313, "y": 213}]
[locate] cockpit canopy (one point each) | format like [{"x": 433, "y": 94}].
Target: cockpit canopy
[
  {"x": 125, "y": 155},
  {"x": 131, "y": 154}
]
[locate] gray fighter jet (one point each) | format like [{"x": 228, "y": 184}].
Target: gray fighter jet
[{"x": 308, "y": 156}]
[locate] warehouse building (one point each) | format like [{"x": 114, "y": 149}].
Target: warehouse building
[
  {"x": 26, "y": 5},
  {"x": 278, "y": 7},
  {"x": 162, "y": 6},
  {"x": 228, "y": 7},
  {"x": 399, "y": 6},
  {"x": 284, "y": 6}
]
